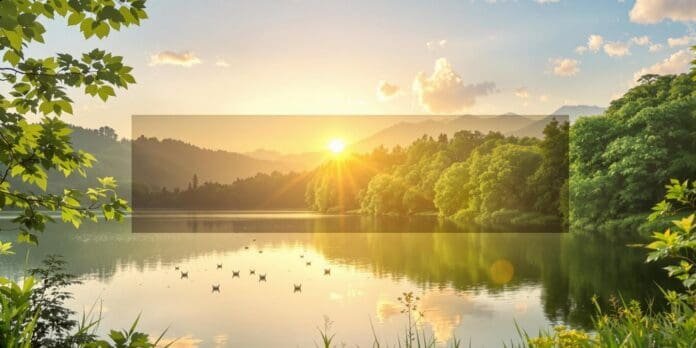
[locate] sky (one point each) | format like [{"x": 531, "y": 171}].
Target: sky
[
  {"x": 401, "y": 57},
  {"x": 267, "y": 132}
]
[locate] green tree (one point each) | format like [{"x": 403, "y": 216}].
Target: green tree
[
  {"x": 552, "y": 176},
  {"x": 37, "y": 86},
  {"x": 619, "y": 159},
  {"x": 500, "y": 180}
]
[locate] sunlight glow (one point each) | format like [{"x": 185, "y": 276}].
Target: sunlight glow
[{"x": 336, "y": 146}]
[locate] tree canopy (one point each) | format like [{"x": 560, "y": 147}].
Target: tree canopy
[
  {"x": 38, "y": 86},
  {"x": 620, "y": 160}
]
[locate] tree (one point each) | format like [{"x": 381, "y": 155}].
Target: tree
[
  {"x": 28, "y": 151},
  {"x": 552, "y": 175},
  {"x": 38, "y": 87},
  {"x": 618, "y": 160}
]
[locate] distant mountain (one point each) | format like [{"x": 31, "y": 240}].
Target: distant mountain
[
  {"x": 576, "y": 111},
  {"x": 404, "y": 133},
  {"x": 172, "y": 163},
  {"x": 162, "y": 163}
]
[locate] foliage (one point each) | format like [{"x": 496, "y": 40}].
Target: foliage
[
  {"x": 261, "y": 191},
  {"x": 561, "y": 337},
  {"x": 679, "y": 241},
  {"x": 38, "y": 86},
  {"x": 630, "y": 325},
  {"x": 30, "y": 151},
  {"x": 488, "y": 179},
  {"x": 128, "y": 339},
  {"x": 325, "y": 333},
  {"x": 414, "y": 336},
  {"x": 17, "y": 320},
  {"x": 56, "y": 326},
  {"x": 618, "y": 160},
  {"x": 337, "y": 184}
]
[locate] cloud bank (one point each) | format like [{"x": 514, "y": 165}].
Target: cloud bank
[
  {"x": 654, "y": 11},
  {"x": 675, "y": 64}
]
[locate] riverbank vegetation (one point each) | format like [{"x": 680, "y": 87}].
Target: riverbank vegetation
[
  {"x": 488, "y": 179},
  {"x": 628, "y": 324}
]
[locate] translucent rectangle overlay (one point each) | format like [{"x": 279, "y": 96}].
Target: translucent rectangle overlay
[{"x": 349, "y": 174}]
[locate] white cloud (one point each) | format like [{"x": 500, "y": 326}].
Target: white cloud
[
  {"x": 655, "y": 48},
  {"x": 432, "y": 45},
  {"x": 654, "y": 11},
  {"x": 547, "y": 1},
  {"x": 616, "y": 49},
  {"x": 594, "y": 42},
  {"x": 222, "y": 63},
  {"x": 445, "y": 92},
  {"x": 679, "y": 41},
  {"x": 543, "y": 98},
  {"x": 565, "y": 66},
  {"x": 675, "y": 64},
  {"x": 186, "y": 58},
  {"x": 522, "y": 92},
  {"x": 386, "y": 90},
  {"x": 580, "y": 49},
  {"x": 640, "y": 40}
]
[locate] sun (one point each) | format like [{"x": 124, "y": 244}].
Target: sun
[{"x": 336, "y": 146}]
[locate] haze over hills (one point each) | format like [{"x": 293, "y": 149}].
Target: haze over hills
[
  {"x": 404, "y": 133},
  {"x": 293, "y": 161},
  {"x": 172, "y": 163},
  {"x": 577, "y": 111}
]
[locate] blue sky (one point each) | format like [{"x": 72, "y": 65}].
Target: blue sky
[{"x": 331, "y": 56}]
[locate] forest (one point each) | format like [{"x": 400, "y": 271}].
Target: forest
[{"x": 489, "y": 179}]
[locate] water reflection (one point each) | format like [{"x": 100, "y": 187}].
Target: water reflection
[{"x": 471, "y": 284}]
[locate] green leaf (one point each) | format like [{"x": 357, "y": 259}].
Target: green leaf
[
  {"x": 107, "y": 182},
  {"x": 11, "y": 57},
  {"x": 6, "y": 248},
  {"x": 105, "y": 91},
  {"x": 14, "y": 38},
  {"x": 102, "y": 30},
  {"x": 75, "y": 18},
  {"x": 27, "y": 238}
]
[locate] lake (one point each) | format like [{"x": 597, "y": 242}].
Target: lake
[{"x": 473, "y": 286}]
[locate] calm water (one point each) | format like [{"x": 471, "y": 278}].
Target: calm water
[{"x": 472, "y": 285}]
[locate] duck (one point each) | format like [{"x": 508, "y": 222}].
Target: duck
[
  {"x": 260, "y": 251},
  {"x": 327, "y": 271},
  {"x": 262, "y": 277},
  {"x": 246, "y": 247},
  {"x": 235, "y": 274},
  {"x": 308, "y": 263},
  {"x": 184, "y": 274},
  {"x": 216, "y": 288},
  {"x": 252, "y": 271},
  {"x": 219, "y": 266},
  {"x": 302, "y": 256},
  {"x": 297, "y": 287},
  {"x": 176, "y": 268}
]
